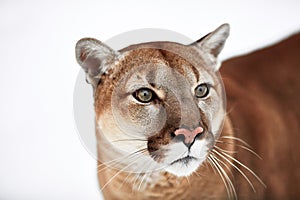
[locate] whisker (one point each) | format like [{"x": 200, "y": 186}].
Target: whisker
[
  {"x": 125, "y": 156},
  {"x": 133, "y": 139},
  {"x": 238, "y": 169},
  {"x": 188, "y": 180},
  {"x": 119, "y": 172},
  {"x": 137, "y": 176},
  {"x": 230, "y": 110},
  {"x": 230, "y": 184},
  {"x": 114, "y": 162},
  {"x": 214, "y": 170},
  {"x": 227, "y": 151},
  {"x": 140, "y": 176},
  {"x": 235, "y": 138},
  {"x": 241, "y": 146},
  {"x": 125, "y": 180},
  {"x": 141, "y": 182},
  {"x": 145, "y": 173},
  {"x": 109, "y": 164},
  {"x": 198, "y": 174},
  {"x": 214, "y": 166},
  {"x": 220, "y": 161},
  {"x": 250, "y": 150},
  {"x": 247, "y": 168}
]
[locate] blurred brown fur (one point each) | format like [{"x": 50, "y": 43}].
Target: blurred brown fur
[{"x": 263, "y": 97}]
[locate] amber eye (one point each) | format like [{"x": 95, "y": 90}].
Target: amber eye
[
  {"x": 144, "y": 95},
  {"x": 202, "y": 90}
]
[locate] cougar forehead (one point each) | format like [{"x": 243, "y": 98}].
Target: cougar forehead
[{"x": 144, "y": 62}]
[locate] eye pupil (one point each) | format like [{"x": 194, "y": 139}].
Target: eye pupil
[
  {"x": 202, "y": 90},
  {"x": 144, "y": 95}
]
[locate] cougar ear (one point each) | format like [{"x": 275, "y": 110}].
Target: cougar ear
[
  {"x": 213, "y": 43},
  {"x": 95, "y": 58}
]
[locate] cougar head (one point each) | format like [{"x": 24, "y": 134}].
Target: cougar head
[{"x": 159, "y": 106}]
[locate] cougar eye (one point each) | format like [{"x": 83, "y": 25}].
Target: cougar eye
[
  {"x": 144, "y": 95},
  {"x": 202, "y": 90}
]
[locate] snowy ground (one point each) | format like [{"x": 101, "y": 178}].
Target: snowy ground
[{"x": 41, "y": 156}]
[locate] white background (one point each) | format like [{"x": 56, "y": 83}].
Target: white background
[{"x": 41, "y": 156}]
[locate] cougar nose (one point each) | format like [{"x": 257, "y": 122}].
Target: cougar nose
[{"x": 188, "y": 136}]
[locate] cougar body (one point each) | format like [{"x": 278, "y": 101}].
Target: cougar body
[{"x": 163, "y": 129}]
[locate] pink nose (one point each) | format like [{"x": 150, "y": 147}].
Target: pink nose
[{"x": 189, "y": 136}]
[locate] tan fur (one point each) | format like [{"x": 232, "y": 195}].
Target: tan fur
[{"x": 262, "y": 91}]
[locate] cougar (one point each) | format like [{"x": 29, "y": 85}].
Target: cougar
[{"x": 166, "y": 129}]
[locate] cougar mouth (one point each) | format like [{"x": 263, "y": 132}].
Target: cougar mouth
[{"x": 185, "y": 160}]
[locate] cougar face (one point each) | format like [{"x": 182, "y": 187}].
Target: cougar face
[{"x": 159, "y": 106}]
